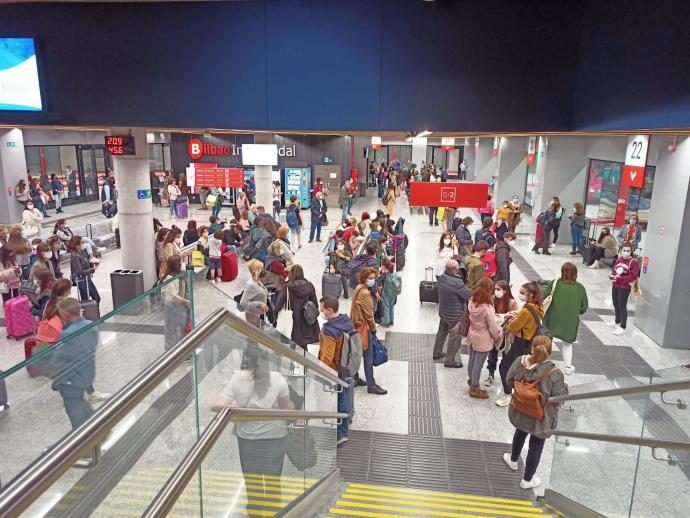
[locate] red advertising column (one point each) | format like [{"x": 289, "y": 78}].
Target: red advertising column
[
  {"x": 455, "y": 195},
  {"x": 633, "y": 173}
]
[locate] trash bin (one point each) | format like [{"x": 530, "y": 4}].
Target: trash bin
[
  {"x": 127, "y": 285},
  {"x": 362, "y": 189}
]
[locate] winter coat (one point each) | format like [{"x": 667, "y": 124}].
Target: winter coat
[
  {"x": 362, "y": 313},
  {"x": 296, "y": 294},
  {"x": 610, "y": 246},
  {"x": 626, "y": 231},
  {"x": 568, "y": 303},
  {"x": 452, "y": 297},
  {"x": 484, "y": 330},
  {"x": 503, "y": 261},
  {"x": 624, "y": 272},
  {"x": 389, "y": 198},
  {"x": 80, "y": 268},
  {"x": 255, "y": 294},
  {"x": 318, "y": 210},
  {"x": 524, "y": 325},
  {"x": 331, "y": 340},
  {"x": 475, "y": 271},
  {"x": 551, "y": 386},
  {"x": 464, "y": 237}
]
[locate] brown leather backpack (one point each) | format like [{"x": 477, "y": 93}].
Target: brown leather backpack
[{"x": 528, "y": 399}]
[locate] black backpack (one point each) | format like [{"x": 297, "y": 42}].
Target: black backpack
[{"x": 542, "y": 329}]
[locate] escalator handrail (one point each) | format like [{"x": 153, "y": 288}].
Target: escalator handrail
[
  {"x": 649, "y": 442},
  {"x": 35, "y": 479},
  {"x": 627, "y": 391},
  {"x": 176, "y": 484}
]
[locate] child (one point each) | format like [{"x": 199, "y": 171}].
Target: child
[
  {"x": 214, "y": 243},
  {"x": 391, "y": 285}
]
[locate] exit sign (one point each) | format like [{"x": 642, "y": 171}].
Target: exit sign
[
  {"x": 11, "y": 144},
  {"x": 328, "y": 160}
]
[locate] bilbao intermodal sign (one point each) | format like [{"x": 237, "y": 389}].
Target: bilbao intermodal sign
[{"x": 468, "y": 195}]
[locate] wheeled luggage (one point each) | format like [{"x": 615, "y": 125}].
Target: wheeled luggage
[
  {"x": 4, "y": 403},
  {"x": 182, "y": 210},
  {"x": 90, "y": 309},
  {"x": 34, "y": 369},
  {"x": 428, "y": 289},
  {"x": 399, "y": 245},
  {"x": 228, "y": 266},
  {"x": 18, "y": 319},
  {"x": 331, "y": 284},
  {"x": 587, "y": 251}
]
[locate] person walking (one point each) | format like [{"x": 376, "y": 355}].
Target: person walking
[
  {"x": 254, "y": 298},
  {"x": 389, "y": 198},
  {"x": 58, "y": 190},
  {"x": 362, "y": 316},
  {"x": 577, "y": 227},
  {"x": 548, "y": 222},
  {"x": 173, "y": 193},
  {"x": 452, "y": 304},
  {"x": 604, "y": 247},
  {"x": 82, "y": 270},
  {"x": 568, "y": 302},
  {"x": 534, "y": 367},
  {"x": 318, "y": 216},
  {"x": 625, "y": 271},
  {"x": 514, "y": 221},
  {"x": 524, "y": 327},
  {"x": 299, "y": 296},
  {"x": 482, "y": 335},
  {"x": 558, "y": 211}
]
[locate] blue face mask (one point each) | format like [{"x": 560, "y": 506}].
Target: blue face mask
[
  {"x": 371, "y": 282},
  {"x": 626, "y": 255}
]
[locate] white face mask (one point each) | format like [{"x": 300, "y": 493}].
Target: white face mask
[
  {"x": 633, "y": 221},
  {"x": 498, "y": 294},
  {"x": 625, "y": 255},
  {"x": 47, "y": 255},
  {"x": 446, "y": 242},
  {"x": 178, "y": 240},
  {"x": 523, "y": 298},
  {"x": 341, "y": 247},
  {"x": 508, "y": 242}
]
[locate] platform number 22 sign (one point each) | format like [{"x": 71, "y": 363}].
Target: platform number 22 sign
[{"x": 636, "y": 160}]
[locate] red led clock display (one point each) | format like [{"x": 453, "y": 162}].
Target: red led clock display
[{"x": 120, "y": 145}]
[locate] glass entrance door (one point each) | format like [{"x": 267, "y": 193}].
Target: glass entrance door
[{"x": 93, "y": 162}]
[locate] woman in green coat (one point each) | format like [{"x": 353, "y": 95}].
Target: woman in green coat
[{"x": 568, "y": 302}]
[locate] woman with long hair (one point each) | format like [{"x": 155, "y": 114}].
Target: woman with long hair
[
  {"x": 254, "y": 299},
  {"x": 482, "y": 334},
  {"x": 43, "y": 262},
  {"x": 10, "y": 273},
  {"x": 81, "y": 270},
  {"x": 577, "y": 227},
  {"x": 176, "y": 303},
  {"x": 296, "y": 294},
  {"x": 558, "y": 211},
  {"x": 506, "y": 307},
  {"x": 158, "y": 247},
  {"x": 171, "y": 248},
  {"x": 22, "y": 250},
  {"x": 54, "y": 244},
  {"x": 190, "y": 235},
  {"x": 604, "y": 247},
  {"x": 625, "y": 271},
  {"x": 31, "y": 220},
  {"x": 446, "y": 250}
]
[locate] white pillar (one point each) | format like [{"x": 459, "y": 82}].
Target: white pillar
[
  {"x": 539, "y": 197},
  {"x": 485, "y": 165},
  {"x": 135, "y": 215},
  {"x": 470, "y": 158},
  {"x": 512, "y": 169},
  {"x": 12, "y": 169},
  {"x": 419, "y": 151},
  {"x": 263, "y": 176}
]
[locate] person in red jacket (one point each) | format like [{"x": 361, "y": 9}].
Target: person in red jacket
[{"x": 625, "y": 272}]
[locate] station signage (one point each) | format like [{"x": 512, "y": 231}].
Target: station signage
[
  {"x": 447, "y": 144},
  {"x": 120, "y": 145},
  {"x": 531, "y": 150},
  {"x": 210, "y": 175},
  {"x": 635, "y": 161},
  {"x": 494, "y": 151},
  {"x": 197, "y": 148},
  {"x": 375, "y": 142},
  {"x": 445, "y": 194}
]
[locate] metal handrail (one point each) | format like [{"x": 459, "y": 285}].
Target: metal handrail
[
  {"x": 628, "y": 391},
  {"x": 26, "y": 487},
  {"x": 173, "y": 488},
  {"x": 624, "y": 439}
]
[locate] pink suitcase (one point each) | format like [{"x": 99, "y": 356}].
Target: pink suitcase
[{"x": 18, "y": 319}]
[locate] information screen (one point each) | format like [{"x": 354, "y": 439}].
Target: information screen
[
  {"x": 19, "y": 85},
  {"x": 120, "y": 145}
]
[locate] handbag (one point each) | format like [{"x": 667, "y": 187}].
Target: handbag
[
  {"x": 29, "y": 230},
  {"x": 380, "y": 353},
  {"x": 547, "y": 301},
  {"x": 462, "y": 328},
  {"x": 301, "y": 448},
  {"x": 197, "y": 258},
  {"x": 211, "y": 200}
]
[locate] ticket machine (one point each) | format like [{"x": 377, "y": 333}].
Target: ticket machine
[{"x": 297, "y": 181}]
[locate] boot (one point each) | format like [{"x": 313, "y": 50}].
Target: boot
[
  {"x": 478, "y": 393},
  {"x": 595, "y": 265}
]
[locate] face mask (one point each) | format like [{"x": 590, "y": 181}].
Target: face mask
[
  {"x": 498, "y": 294},
  {"x": 178, "y": 240},
  {"x": 47, "y": 255},
  {"x": 632, "y": 221},
  {"x": 625, "y": 255},
  {"x": 29, "y": 207},
  {"x": 371, "y": 282},
  {"x": 509, "y": 243},
  {"x": 446, "y": 241},
  {"x": 505, "y": 206},
  {"x": 341, "y": 247},
  {"x": 523, "y": 298}
]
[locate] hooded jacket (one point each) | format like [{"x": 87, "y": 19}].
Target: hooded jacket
[
  {"x": 484, "y": 330},
  {"x": 624, "y": 272},
  {"x": 296, "y": 294},
  {"x": 331, "y": 340},
  {"x": 452, "y": 297},
  {"x": 503, "y": 261},
  {"x": 553, "y": 385}
]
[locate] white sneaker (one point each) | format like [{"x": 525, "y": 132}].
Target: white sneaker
[
  {"x": 535, "y": 482},
  {"x": 101, "y": 249},
  {"x": 340, "y": 441},
  {"x": 569, "y": 369},
  {"x": 489, "y": 381},
  {"x": 504, "y": 400},
  {"x": 512, "y": 465},
  {"x": 97, "y": 396},
  {"x": 619, "y": 331},
  {"x": 552, "y": 245},
  {"x": 612, "y": 324}
]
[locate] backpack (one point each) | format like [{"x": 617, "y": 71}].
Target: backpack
[
  {"x": 291, "y": 217},
  {"x": 310, "y": 313},
  {"x": 528, "y": 399},
  {"x": 542, "y": 329},
  {"x": 393, "y": 284},
  {"x": 355, "y": 265},
  {"x": 488, "y": 236},
  {"x": 351, "y": 353},
  {"x": 541, "y": 218},
  {"x": 489, "y": 261}
]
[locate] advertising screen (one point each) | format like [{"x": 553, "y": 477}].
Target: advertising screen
[
  {"x": 259, "y": 154},
  {"x": 19, "y": 86}
]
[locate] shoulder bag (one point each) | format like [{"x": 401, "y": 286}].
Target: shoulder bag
[
  {"x": 528, "y": 399},
  {"x": 547, "y": 301}
]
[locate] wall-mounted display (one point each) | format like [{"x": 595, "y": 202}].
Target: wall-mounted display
[
  {"x": 20, "y": 88},
  {"x": 297, "y": 181}
]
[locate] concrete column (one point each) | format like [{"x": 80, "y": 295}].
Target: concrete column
[
  {"x": 454, "y": 159},
  {"x": 263, "y": 176},
  {"x": 538, "y": 197},
  {"x": 12, "y": 169},
  {"x": 512, "y": 168},
  {"x": 471, "y": 159},
  {"x": 419, "y": 151},
  {"x": 135, "y": 215},
  {"x": 485, "y": 165}
]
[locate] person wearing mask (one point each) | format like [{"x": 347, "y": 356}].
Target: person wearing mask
[
  {"x": 173, "y": 193},
  {"x": 31, "y": 220},
  {"x": 62, "y": 231},
  {"x": 389, "y": 199},
  {"x": 362, "y": 316},
  {"x": 631, "y": 233},
  {"x": 295, "y": 295},
  {"x": 517, "y": 213},
  {"x": 503, "y": 259},
  {"x": 74, "y": 362},
  {"x": 214, "y": 242},
  {"x": 344, "y": 200},
  {"x": 568, "y": 302},
  {"x": 202, "y": 244},
  {"x": 10, "y": 273},
  {"x": 330, "y": 349},
  {"x": 318, "y": 186},
  {"x": 254, "y": 299},
  {"x": 54, "y": 244},
  {"x": 293, "y": 219},
  {"x": 175, "y": 302},
  {"x": 488, "y": 210},
  {"x": 158, "y": 247},
  {"x": 81, "y": 270},
  {"x": 524, "y": 327},
  {"x": 625, "y": 271},
  {"x": 452, "y": 304},
  {"x": 109, "y": 198},
  {"x": 604, "y": 247},
  {"x": 21, "y": 192},
  {"x": 474, "y": 264},
  {"x": 22, "y": 250},
  {"x": 577, "y": 227},
  {"x": 283, "y": 244},
  {"x": 390, "y": 285},
  {"x": 339, "y": 261},
  {"x": 446, "y": 250},
  {"x": 173, "y": 243},
  {"x": 482, "y": 335},
  {"x": 558, "y": 211},
  {"x": 463, "y": 170},
  {"x": 464, "y": 237},
  {"x": 485, "y": 233},
  {"x": 534, "y": 367},
  {"x": 38, "y": 197},
  {"x": 58, "y": 190},
  {"x": 549, "y": 222},
  {"x": 504, "y": 211},
  {"x": 318, "y": 216},
  {"x": 43, "y": 263},
  {"x": 274, "y": 265},
  {"x": 190, "y": 235},
  {"x": 506, "y": 307}
]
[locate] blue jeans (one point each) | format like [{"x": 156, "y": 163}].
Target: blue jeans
[
  {"x": 388, "y": 310},
  {"x": 576, "y": 234},
  {"x": 315, "y": 229},
  {"x": 77, "y": 408},
  {"x": 345, "y": 212},
  {"x": 173, "y": 207},
  {"x": 349, "y": 205},
  {"x": 88, "y": 294},
  {"x": 344, "y": 408},
  {"x": 216, "y": 209}
]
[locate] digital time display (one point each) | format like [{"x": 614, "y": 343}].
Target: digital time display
[{"x": 120, "y": 145}]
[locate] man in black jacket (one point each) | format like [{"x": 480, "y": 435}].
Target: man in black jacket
[
  {"x": 452, "y": 303},
  {"x": 503, "y": 259},
  {"x": 318, "y": 216}
]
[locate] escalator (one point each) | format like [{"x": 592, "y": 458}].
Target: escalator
[{"x": 178, "y": 440}]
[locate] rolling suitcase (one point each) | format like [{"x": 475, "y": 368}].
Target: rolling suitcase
[
  {"x": 18, "y": 319},
  {"x": 587, "y": 253},
  {"x": 183, "y": 210},
  {"x": 428, "y": 290},
  {"x": 34, "y": 369},
  {"x": 4, "y": 403},
  {"x": 228, "y": 266},
  {"x": 89, "y": 308},
  {"x": 331, "y": 284}
]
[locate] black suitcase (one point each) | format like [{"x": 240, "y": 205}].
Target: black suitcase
[
  {"x": 90, "y": 309},
  {"x": 331, "y": 284},
  {"x": 587, "y": 253},
  {"x": 428, "y": 290}
]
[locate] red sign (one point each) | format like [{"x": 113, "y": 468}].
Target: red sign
[
  {"x": 633, "y": 176},
  {"x": 494, "y": 151},
  {"x": 635, "y": 161},
  {"x": 120, "y": 145},
  {"x": 476, "y": 145},
  {"x": 531, "y": 150},
  {"x": 446, "y": 194},
  {"x": 196, "y": 149},
  {"x": 214, "y": 176},
  {"x": 447, "y": 144}
]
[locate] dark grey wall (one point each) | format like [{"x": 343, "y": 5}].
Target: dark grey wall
[{"x": 180, "y": 159}]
